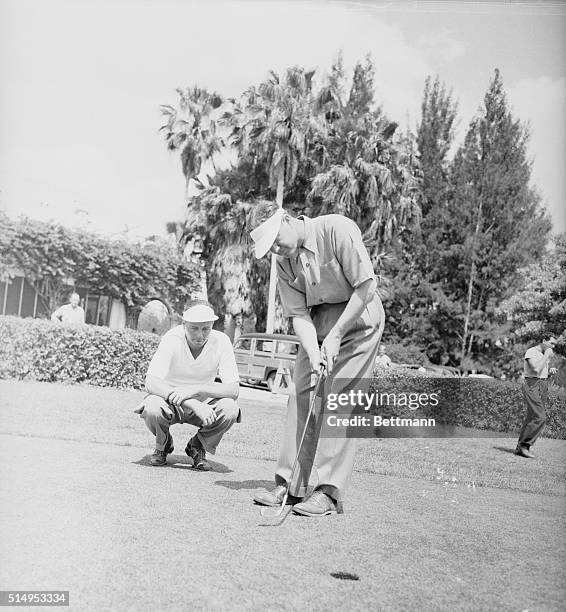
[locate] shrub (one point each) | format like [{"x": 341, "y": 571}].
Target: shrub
[
  {"x": 46, "y": 351},
  {"x": 404, "y": 353},
  {"x": 49, "y": 254},
  {"x": 495, "y": 405}
]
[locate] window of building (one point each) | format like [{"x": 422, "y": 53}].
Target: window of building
[{"x": 20, "y": 298}]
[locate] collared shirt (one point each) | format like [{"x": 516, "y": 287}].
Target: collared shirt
[
  {"x": 174, "y": 363},
  {"x": 534, "y": 354},
  {"x": 330, "y": 264},
  {"x": 69, "y": 315}
]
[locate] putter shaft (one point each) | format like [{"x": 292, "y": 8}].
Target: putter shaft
[{"x": 266, "y": 511}]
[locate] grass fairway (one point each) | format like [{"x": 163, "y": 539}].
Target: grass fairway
[{"x": 450, "y": 524}]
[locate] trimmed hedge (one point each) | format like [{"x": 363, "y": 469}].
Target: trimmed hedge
[
  {"x": 46, "y": 351},
  {"x": 488, "y": 404}
]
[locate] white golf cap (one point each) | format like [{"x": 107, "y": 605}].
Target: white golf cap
[
  {"x": 264, "y": 235},
  {"x": 200, "y": 313}
]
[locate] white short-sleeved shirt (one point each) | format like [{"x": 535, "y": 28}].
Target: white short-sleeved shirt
[
  {"x": 383, "y": 361},
  {"x": 174, "y": 363},
  {"x": 69, "y": 315},
  {"x": 536, "y": 355}
]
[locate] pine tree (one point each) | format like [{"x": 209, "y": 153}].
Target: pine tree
[
  {"x": 362, "y": 90},
  {"x": 419, "y": 312},
  {"x": 497, "y": 222},
  {"x": 435, "y": 135}
]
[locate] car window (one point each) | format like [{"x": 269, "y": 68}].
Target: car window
[
  {"x": 243, "y": 344},
  {"x": 264, "y": 346},
  {"x": 284, "y": 347}
]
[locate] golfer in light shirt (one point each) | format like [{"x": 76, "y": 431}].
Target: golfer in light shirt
[{"x": 327, "y": 286}]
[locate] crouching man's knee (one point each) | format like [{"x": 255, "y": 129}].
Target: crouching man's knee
[
  {"x": 229, "y": 409},
  {"x": 154, "y": 409}
]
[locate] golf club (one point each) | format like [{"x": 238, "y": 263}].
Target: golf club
[{"x": 271, "y": 511}]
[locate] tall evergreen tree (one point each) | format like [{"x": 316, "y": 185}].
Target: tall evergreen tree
[
  {"x": 419, "y": 312},
  {"x": 435, "y": 136},
  {"x": 497, "y": 223}
]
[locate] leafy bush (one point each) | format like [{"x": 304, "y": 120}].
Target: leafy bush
[
  {"x": 404, "y": 353},
  {"x": 398, "y": 373},
  {"x": 46, "y": 351},
  {"x": 494, "y": 405},
  {"x": 49, "y": 254}
]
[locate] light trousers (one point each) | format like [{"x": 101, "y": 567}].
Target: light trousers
[
  {"x": 158, "y": 417},
  {"x": 334, "y": 460}
]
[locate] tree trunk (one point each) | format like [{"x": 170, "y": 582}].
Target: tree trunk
[
  {"x": 273, "y": 272},
  {"x": 471, "y": 282},
  {"x": 187, "y": 184}
]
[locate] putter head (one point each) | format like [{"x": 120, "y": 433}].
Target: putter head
[
  {"x": 272, "y": 511},
  {"x": 274, "y": 520}
]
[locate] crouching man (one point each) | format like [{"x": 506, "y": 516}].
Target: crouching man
[{"x": 181, "y": 384}]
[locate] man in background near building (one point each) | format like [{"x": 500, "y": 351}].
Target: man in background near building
[
  {"x": 71, "y": 313},
  {"x": 535, "y": 392},
  {"x": 382, "y": 360},
  {"x": 182, "y": 387}
]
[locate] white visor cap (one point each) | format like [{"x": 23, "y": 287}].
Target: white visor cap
[
  {"x": 264, "y": 235},
  {"x": 200, "y": 313}
]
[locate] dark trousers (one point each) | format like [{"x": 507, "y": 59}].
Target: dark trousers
[{"x": 535, "y": 392}]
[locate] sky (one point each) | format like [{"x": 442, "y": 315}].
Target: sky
[{"x": 82, "y": 83}]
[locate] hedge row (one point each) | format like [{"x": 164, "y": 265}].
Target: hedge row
[
  {"x": 42, "y": 350},
  {"x": 488, "y": 404}
]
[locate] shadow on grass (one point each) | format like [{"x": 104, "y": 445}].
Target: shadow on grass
[
  {"x": 245, "y": 484},
  {"x": 182, "y": 462},
  {"x": 505, "y": 449}
]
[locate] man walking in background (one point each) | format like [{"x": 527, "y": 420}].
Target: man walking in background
[
  {"x": 535, "y": 392},
  {"x": 327, "y": 286},
  {"x": 181, "y": 384},
  {"x": 71, "y": 313}
]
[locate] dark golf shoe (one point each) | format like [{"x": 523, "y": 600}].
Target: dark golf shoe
[
  {"x": 524, "y": 452},
  {"x": 160, "y": 457},
  {"x": 275, "y": 497},
  {"x": 197, "y": 453},
  {"x": 318, "y": 504}
]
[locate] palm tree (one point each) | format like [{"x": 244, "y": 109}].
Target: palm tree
[
  {"x": 192, "y": 130},
  {"x": 365, "y": 174},
  {"x": 274, "y": 124},
  {"x": 222, "y": 223}
]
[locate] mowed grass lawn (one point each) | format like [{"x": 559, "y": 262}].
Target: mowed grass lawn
[
  {"x": 430, "y": 524},
  {"x": 50, "y": 410}
]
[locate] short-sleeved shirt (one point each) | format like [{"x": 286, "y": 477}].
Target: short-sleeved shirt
[
  {"x": 174, "y": 363},
  {"x": 69, "y": 315},
  {"x": 330, "y": 264},
  {"x": 536, "y": 355}
]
